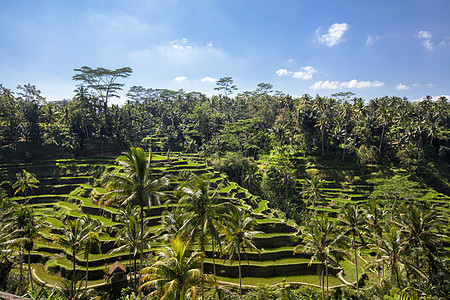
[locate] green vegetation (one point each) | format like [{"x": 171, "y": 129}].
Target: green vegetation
[{"x": 359, "y": 191}]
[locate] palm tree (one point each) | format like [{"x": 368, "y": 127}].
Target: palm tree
[
  {"x": 392, "y": 250},
  {"x": 202, "y": 213},
  {"x": 25, "y": 180},
  {"x": 238, "y": 236},
  {"x": 129, "y": 237},
  {"x": 172, "y": 222},
  {"x": 324, "y": 244},
  {"x": 421, "y": 229},
  {"x": 353, "y": 221},
  {"x": 74, "y": 237},
  {"x": 93, "y": 228},
  {"x": 313, "y": 190},
  {"x": 384, "y": 116},
  {"x": 375, "y": 215},
  {"x": 322, "y": 123},
  {"x": 176, "y": 274},
  {"x": 25, "y": 228},
  {"x": 134, "y": 185}
]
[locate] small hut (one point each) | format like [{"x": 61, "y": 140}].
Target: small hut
[{"x": 117, "y": 272}]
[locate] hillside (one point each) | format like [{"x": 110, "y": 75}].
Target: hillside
[{"x": 70, "y": 188}]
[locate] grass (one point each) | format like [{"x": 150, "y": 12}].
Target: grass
[
  {"x": 262, "y": 263},
  {"x": 301, "y": 279}
]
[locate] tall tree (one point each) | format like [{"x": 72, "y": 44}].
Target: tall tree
[
  {"x": 324, "y": 244},
  {"x": 128, "y": 239},
  {"x": 24, "y": 229},
  {"x": 74, "y": 237},
  {"x": 375, "y": 215},
  {"x": 353, "y": 221},
  {"x": 134, "y": 184},
  {"x": 103, "y": 82},
  {"x": 226, "y": 84},
  {"x": 313, "y": 191},
  {"x": 203, "y": 211},
  {"x": 25, "y": 180},
  {"x": 93, "y": 228},
  {"x": 238, "y": 234}
]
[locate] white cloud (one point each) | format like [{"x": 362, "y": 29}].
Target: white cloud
[
  {"x": 325, "y": 85},
  {"x": 178, "y": 56},
  {"x": 425, "y": 36},
  {"x": 210, "y": 44},
  {"x": 430, "y": 85},
  {"x": 282, "y": 72},
  {"x": 334, "y": 35},
  {"x": 352, "y": 84},
  {"x": 181, "y": 44},
  {"x": 401, "y": 87},
  {"x": 361, "y": 84},
  {"x": 371, "y": 40},
  {"x": 415, "y": 85},
  {"x": 208, "y": 79},
  {"x": 305, "y": 73},
  {"x": 180, "y": 78}
]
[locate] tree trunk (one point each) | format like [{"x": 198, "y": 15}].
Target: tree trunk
[
  {"x": 240, "y": 274},
  {"x": 214, "y": 261},
  {"x": 322, "y": 143},
  {"x": 322, "y": 283},
  {"x": 21, "y": 267},
  {"x": 326, "y": 268},
  {"x": 73, "y": 272},
  {"x": 356, "y": 261},
  {"x": 202, "y": 246},
  {"x": 141, "y": 244},
  {"x": 30, "y": 278},
  {"x": 381, "y": 140},
  {"x": 87, "y": 268},
  {"x": 135, "y": 274}
]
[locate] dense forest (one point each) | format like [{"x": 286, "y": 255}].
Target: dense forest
[{"x": 264, "y": 141}]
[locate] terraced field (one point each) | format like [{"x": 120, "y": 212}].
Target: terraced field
[{"x": 70, "y": 188}]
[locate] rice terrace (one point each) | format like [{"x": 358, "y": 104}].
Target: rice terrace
[{"x": 214, "y": 187}]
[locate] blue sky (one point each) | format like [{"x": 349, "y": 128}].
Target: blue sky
[{"x": 371, "y": 48}]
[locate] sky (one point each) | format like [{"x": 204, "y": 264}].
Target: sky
[{"x": 370, "y": 48}]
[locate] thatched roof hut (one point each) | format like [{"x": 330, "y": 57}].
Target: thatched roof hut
[{"x": 117, "y": 267}]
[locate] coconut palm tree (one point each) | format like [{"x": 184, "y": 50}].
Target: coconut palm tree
[
  {"x": 392, "y": 251},
  {"x": 74, "y": 237},
  {"x": 129, "y": 239},
  {"x": 93, "y": 228},
  {"x": 203, "y": 211},
  {"x": 353, "y": 221},
  {"x": 421, "y": 228},
  {"x": 323, "y": 124},
  {"x": 134, "y": 184},
  {"x": 25, "y": 180},
  {"x": 176, "y": 274},
  {"x": 313, "y": 190},
  {"x": 172, "y": 222},
  {"x": 238, "y": 237},
  {"x": 24, "y": 229},
  {"x": 375, "y": 215},
  {"x": 323, "y": 243}
]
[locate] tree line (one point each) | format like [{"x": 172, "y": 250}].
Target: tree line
[{"x": 387, "y": 129}]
